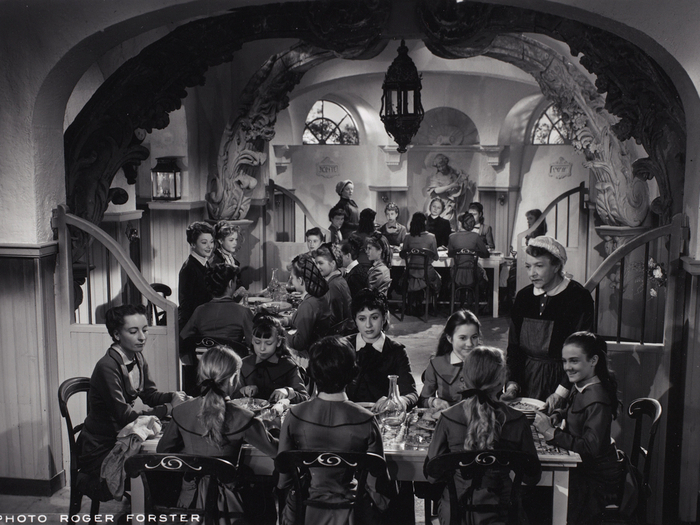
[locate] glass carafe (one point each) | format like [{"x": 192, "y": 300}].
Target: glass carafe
[
  {"x": 275, "y": 288},
  {"x": 394, "y": 412}
]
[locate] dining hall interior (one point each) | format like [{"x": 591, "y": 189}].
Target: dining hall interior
[{"x": 123, "y": 123}]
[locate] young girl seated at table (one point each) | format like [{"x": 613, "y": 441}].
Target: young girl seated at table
[
  {"x": 212, "y": 425},
  {"x": 442, "y": 380},
  {"x": 271, "y": 372},
  {"x": 330, "y": 421},
  {"x": 378, "y": 356},
  {"x": 480, "y": 422},
  {"x": 379, "y": 253},
  {"x": 312, "y": 318},
  {"x": 583, "y": 425}
]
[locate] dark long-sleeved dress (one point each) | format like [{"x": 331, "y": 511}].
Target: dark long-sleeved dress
[
  {"x": 535, "y": 339},
  {"x": 192, "y": 289},
  {"x": 396, "y": 235},
  {"x": 185, "y": 434},
  {"x": 372, "y": 381},
  {"x": 339, "y": 298},
  {"x": 352, "y": 216},
  {"x": 111, "y": 400},
  {"x": 221, "y": 318},
  {"x": 321, "y": 424},
  {"x": 356, "y": 279},
  {"x": 218, "y": 257},
  {"x": 442, "y": 378},
  {"x": 424, "y": 241},
  {"x": 449, "y": 436},
  {"x": 311, "y": 322},
  {"x": 379, "y": 277},
  {"x": 464, "y": 240},
  {"x": 439, "y": 227},
  {"x": 596, "y": 480},
  {"x": 269, "y": 375}
]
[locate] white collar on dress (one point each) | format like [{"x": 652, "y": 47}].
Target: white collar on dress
[
  {"x": 454, "y": 358},
  {"x": 199, "y": 258},
  {"x": 351, "y": 265},
  {"x": 338, "y": 396},
  {"x": 378, "y": 344},
  {"x": 557, "y": 290},
  {"x": 594, "y": 381}
]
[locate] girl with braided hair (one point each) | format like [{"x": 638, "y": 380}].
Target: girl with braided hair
[
  {"x": 480, "y": 422},
  {"x": 312, "y": 318},
  {"x": 211, "y": 425}
]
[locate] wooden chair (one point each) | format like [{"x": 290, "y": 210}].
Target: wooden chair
[
  {"x": 158, "y": 316},
  {"x": 638, "y": 409},
  {"x": 298, "y": 463},
  {"x": 465, "y": 277},
  {"x": 219, "y": 471},
  {"x": 81, "y": 484},
  {"x": 201, "y": 343},
  {"x": 473, "y": 465},
  {"x": 418, "y": 263}
]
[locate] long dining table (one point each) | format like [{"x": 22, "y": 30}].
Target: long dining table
[
  {"x": 445, "y": 261},
  {"x": 407, "y": 465}
]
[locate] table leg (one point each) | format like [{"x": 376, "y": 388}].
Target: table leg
[
  {"x": 560, "y": 496},
  {"x": 496, "y": 285},
  {"x": 138, "y": 503}
]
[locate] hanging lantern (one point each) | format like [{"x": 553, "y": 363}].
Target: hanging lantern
[
  {"x": 165, "y": 179},
  {"x": 401, "y": 110}
]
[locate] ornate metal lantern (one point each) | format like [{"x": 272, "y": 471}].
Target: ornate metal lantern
[
  {"x": 165, "y": 180},
  {"x": 402, "y": 111}
]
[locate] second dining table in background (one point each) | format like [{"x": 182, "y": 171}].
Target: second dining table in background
[{"x": 445, "y": 261}]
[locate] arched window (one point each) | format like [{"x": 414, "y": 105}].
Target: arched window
[
  {"x": 550, "y": 128},
  {"x": 329, "y": 123}
]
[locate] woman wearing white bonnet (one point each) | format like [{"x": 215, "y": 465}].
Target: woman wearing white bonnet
[{"x": 544, "y": 314}]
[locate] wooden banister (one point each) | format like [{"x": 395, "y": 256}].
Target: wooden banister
[{"x": 275, "y": 187}]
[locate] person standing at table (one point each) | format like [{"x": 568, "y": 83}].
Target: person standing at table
[
  {"x": 355, "y": 273},
  {"x": 212, "y": 425},
  {"x": 312, "y": 318},
  {"x": 328, "y": 257},
  {"x": 584, "y": 426},
  {"x": 476, "y": 209},
  {"x": 270, "y": 372},
  {"x": 330, "y": 421},
  {"x": 379, "y": 254},
  {"x": 119, "y": 377},
  {"x": 345, "y": 189},
  {"x": 481, "y": 422},
  {"x": 192, "y": 288},
  {"x": 442, "y": 380},
  {"x": 436, "y": 225},
  {"x": 544, "y": 314},
  {"x": 391, "y": 229},
  {"x": 227, "y": 236}
]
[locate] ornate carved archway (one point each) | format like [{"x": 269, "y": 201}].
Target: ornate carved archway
[{"x": 105, "y": 135}]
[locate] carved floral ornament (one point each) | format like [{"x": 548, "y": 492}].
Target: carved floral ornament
[{"x": 640, "y": 100}]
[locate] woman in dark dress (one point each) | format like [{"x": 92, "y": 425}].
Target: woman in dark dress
[
  {"x": 192, "y": 288},
  {"x": 436, "y": 225},
  {"x": 119, "y": 378},
  {"x": 345, "y": 189},
  {"x": 485, "y": 231},
  {"x": 544, "y": 314}
]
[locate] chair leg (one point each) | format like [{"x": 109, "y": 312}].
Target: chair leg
[
  {"x": 94, "y": 509},
  {"x": 76, "y": 498},
  {"x": 452, "y": 298}
]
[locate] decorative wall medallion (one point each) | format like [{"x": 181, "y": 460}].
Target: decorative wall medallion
[
  {"x": 560, "y": 169},
  {"x": 327, "y": 169}
]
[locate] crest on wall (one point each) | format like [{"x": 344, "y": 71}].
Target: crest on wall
[
  {"x": 560, "y": 168},
  {"x": 327, "y": 169}
]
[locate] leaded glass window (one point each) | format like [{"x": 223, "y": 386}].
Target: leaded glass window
[
  {"x": 551, "y": 128},
  {"x": 329, "y": 123}
]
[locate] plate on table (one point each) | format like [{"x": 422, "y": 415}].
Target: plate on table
[
  {"x": 277, "y": 306},
  {"x": 258, "y": 300},
  {"x": 527, "y": 406},
  {"x": 253, "y": 404}
]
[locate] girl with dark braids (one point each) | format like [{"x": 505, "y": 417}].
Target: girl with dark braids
[
  {"x": 212, "y": 425},
  {"x": 480, "y": 422}
]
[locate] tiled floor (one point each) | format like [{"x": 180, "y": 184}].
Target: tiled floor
[{"x": 420, "y": 339}]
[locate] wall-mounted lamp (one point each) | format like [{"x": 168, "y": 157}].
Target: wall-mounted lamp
[
  {"x": 502, "y": 199},
  {"x": 166, "y": 182},
  {"x": 402, "y": 111}
]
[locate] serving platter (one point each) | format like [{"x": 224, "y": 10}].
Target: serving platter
[
  {"x": 253, "y": 404},
  {"x": 259, "y": 300},
  {"x": 526, "y": 404}
]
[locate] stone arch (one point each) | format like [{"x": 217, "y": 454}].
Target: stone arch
[{"x": 446, "y": 126}]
